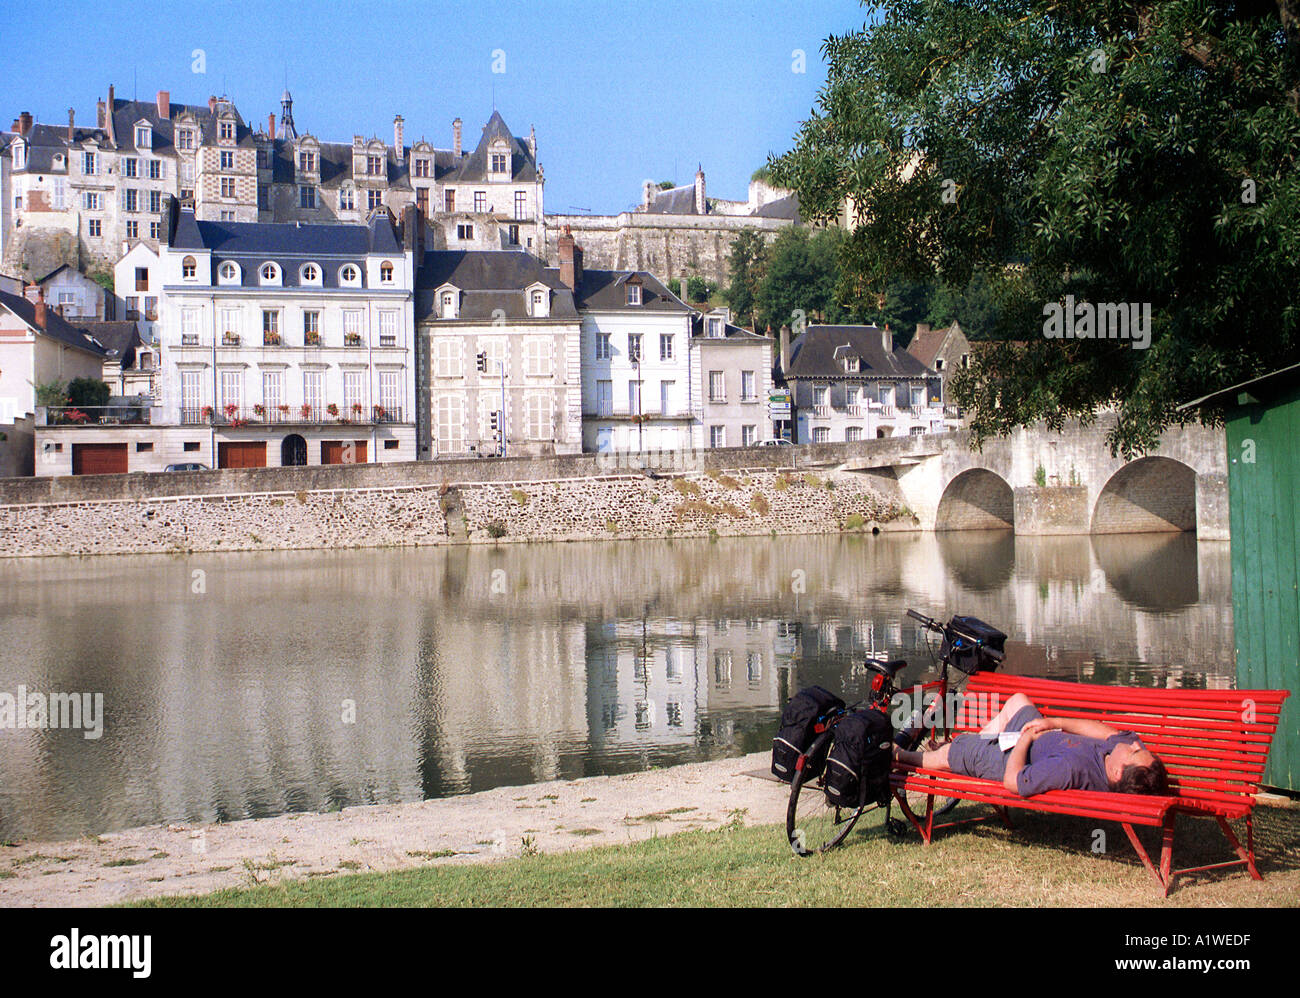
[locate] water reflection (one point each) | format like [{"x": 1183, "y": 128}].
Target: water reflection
[{"x": 255, "y": 684}]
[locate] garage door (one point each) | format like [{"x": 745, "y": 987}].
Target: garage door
[
  {"x": 99, "y": 459},
  {"x": 241, "y": 454},
  {"x": 343, "y": 451}
]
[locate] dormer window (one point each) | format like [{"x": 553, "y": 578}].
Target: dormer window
[
  {"x": 422, "y": 167},
  {"x": 270, "y": 273},
  {"x": 375, "y": 166},
  {"x": 185, "y": 139},
  {"x": 143, "y": 137},
  {"x": 715, "y": 328},
  {"x": 447, "y": 305},
  {"x": 226, "y": 130},
  {"x": 350, "y": 276},
  {"x": 310, "y": 274},
  {"x": 633, "y": 293},
  {"x": 499, "y": 162},
  {"x": 386, "y": 273},
  {"x": 189, "y": 268},
  {"x": 228, "y": 273},
  {"x": 851, "y": 365},
  {"x": 307, "y": 162},
  {"x": 20, "y": 155},
  {"x": 938, "y": 364}
]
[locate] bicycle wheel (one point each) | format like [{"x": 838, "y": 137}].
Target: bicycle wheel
[{"x": 812, "y": 824}]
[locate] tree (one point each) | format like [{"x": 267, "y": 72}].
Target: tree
[
  {"x": 51, "y": 394},
  {"x": 84, "y": 392},
  {"x": 1141, "y": 154},
  {"x": 746, "y": 266},
  {"x": 800, "y": 279}
]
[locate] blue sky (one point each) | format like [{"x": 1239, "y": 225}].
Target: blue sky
[{"x": 618, "y": 92}]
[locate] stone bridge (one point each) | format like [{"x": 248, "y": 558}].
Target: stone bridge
[{"x": 1042, "y": 482}]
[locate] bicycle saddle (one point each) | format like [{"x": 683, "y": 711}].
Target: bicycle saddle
[{"x": 889, "y": 668}]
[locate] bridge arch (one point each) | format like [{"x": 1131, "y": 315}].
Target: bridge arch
[
  {"x": 977, "y": 499},
  {"x": 1147, "y": 495}
]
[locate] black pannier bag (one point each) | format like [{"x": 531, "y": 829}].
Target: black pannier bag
[
  {"x": 857, "y": 769},
  {"x": 800, "y": 726},
  {"x": 966, "y": 656}
]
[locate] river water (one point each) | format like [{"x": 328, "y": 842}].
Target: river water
[{"x": 247, "y": 685}]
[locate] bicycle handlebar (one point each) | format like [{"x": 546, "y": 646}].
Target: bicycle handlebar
[
  {"x": 949, "y": 631},
  {"x": 934, "y": 625}
]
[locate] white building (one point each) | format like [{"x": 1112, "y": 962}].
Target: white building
[
  {"x": 499, "y": 335},
  {"x": 288, "y": 343},
  {"x": 851, "y": 383},
  {"x": 637, "y": 382}
]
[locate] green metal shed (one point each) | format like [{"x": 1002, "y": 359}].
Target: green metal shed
[{"x": 1262, "y": 420}]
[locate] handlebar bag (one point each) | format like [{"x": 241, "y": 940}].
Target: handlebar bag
[
  {"x": 965, "y": 655},
  {"x": 801, "y": 722},
  {"x": 857, "y": 769}
]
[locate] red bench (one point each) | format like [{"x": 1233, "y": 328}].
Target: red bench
[{"x": 1214, "y": 744}]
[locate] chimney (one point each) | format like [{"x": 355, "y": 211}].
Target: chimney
[
  {"x": 399, "y": 138},
  {"x": 701, "y": 204},
  {"x": 72, "y": 123},
  {"x": 36, "y": 296},
  {"x": 921, "y": 327},
  {"x": 532, "y": 142},
  {"x": 164, "y": 105},
  {"x": 570, "y": 261},
  {"x": 455, "y": 137},
  {"x": 409, "y": 227},
  {"x": 212, "y": 104},
  {"x": 25, "y": 123},
  {"x": 270, "y": 124},
  {"x": 108, "y": 118},
  {"x": 887, "y": 339},
  {"x": 685, "y": 288},
  {"x": 647, "y": 193},
  {"x": 784, "y": 336},
  {"x": 99, "y": 114}
]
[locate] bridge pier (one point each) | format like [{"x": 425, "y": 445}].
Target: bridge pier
[
  {"x": 1212, "y": 507},
  {"x": 1052, "y": 509}
]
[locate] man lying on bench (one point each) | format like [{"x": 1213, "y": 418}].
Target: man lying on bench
[{"x": 1030, "y": 754}]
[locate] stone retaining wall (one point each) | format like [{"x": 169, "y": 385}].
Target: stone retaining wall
[{"x": 755, "y": 502}]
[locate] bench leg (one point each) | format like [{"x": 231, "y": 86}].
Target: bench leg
[
  {"x": 1247, "y": 855},
  {"x": 1166, "y": 854},
  {"x": 1005, "y": 815},
  {"x": 927, "y": 829}
]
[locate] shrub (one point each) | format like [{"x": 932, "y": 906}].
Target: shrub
[
  {"x": 88, "y": 392},
  {"x": 854, "y": 521},
  {"x": 781, "y": 484},
  {"x": 686, "y": 487},
  {"x": 727, "y": 482},
  {"x": 813, "y": 481},
  {"x": 1040, "y": 476},
  {"x": 496, "y": 528}
]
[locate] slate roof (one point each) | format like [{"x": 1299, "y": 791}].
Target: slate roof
[
  {"x": 927, "y": 343},
  {"x": 56, "y": 327},
  {"x": 787, "y": 207},
  {"x": 474, "y": 167},
  {"x": 603, "y": 290},
  {"x": 266, "y": 239},
  {"x": 489, "y": 280},
  {"x": 730, "y": 333},
  {"x": 674, "y": 201},
  {"x": 118, "y": 337},
  {"x": 813, "y": 355}
]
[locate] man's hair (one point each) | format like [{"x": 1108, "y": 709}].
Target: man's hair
[{"x": 1153, "y": 779}]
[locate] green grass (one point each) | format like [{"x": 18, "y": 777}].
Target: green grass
[{"x": 1046, "y": 861}]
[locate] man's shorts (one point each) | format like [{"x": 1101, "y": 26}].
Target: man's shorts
[{"x": 972, "y": 755}]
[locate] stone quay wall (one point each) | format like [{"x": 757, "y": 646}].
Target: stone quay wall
[{"x": 757, "y": 501}]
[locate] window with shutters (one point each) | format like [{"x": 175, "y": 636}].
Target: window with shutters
[
  {"x": 537, "y": 357},
  {"x": 191, "y": 395},
  {"x": 495, "y": 350},
  {"x": 155, "y": 169},
  {"x": 354, "y": 393},
  {"x": 313, "y": 390},
  {"x": 665, "y": 346},
  {"x": 603, "y": 349},
  {"x": 537, "y": 418},
  {"x": 447, "y": 357},
  {"x": 390, "y": 390},
  {"x": 232, "y": 383},
  {"x": 352, "y": 327},
  {"x": 272, "y": 391},
  {"x": 129, "y": 167},
  {"x": 449, "y": 423},
  {"x": 189, "y": 327},
  {"x": 388, "y": 328},
  {"x": 130, "y": 199}
]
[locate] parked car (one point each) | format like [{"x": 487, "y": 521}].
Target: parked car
[
  {"x": 187, "y": 466},
  {"x": 778, "y": 442}
]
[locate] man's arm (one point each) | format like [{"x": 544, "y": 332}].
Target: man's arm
[
  {"x": 1079, "y": 726},
  {"x": 1019, "y": 757}
]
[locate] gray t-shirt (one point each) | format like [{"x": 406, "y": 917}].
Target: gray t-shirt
[{"x": 1062, "y": 761}]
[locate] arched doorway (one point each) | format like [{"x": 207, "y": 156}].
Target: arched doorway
[{"x": 293, "y": 451}]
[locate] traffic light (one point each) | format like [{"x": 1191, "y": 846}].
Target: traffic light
[
  {"x": 496, "y": 421},
  {"x": 482, "y": 363}
]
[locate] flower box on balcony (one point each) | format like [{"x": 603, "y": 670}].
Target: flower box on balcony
[
  {"x": 270, "y": 339},
  {"x": 352, "y": 339},
  {"x": 230, "y": 339},
  {"x": 259, "y": 411},
  {"x": 333, "y": 410},
  {"x": 312, "y": 339}
]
